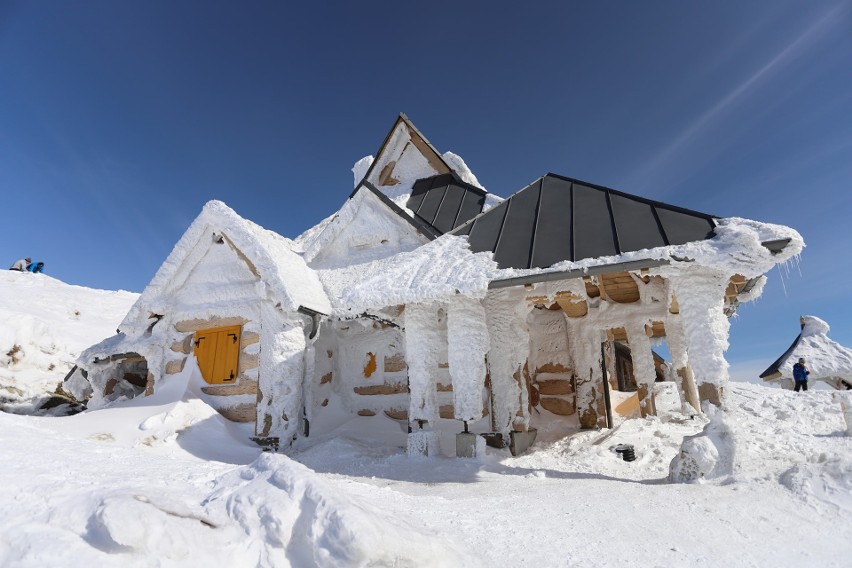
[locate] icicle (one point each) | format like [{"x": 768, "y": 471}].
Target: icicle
[{"x": 781, "y": 276}]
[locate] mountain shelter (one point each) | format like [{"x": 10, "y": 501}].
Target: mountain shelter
[{"x": 426, "y": 304}]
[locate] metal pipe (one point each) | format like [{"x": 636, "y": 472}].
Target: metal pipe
[
  {"x": 578, "y": 272},
  {"x": 607, "y": 402}
]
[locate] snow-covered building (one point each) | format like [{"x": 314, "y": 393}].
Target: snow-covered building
[
  {"x": 827, "y": 360},
  {"x": 425, "y": 298}
]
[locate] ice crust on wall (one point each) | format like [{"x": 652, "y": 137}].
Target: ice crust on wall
[
  {"x": 701, "y": 297},
  {"x": 508, "y": 348},
  {"x": 468, "y": 344},
  {"x": 222, "y": 266},
  {"x": 643, "y": 361},
  {"x": 422, "y": 338},
  {"x": 281, "y": 372}
]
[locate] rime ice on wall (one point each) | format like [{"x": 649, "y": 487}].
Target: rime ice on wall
[
  {"x": 222, "y": 269},
  {"x": 643, "y": 363},
  {"x": 422, "y": 339},
  {"x": 700, "y": 293},
  {"x": 281, "y": 376},
  {"x": 506, "y": 314},
  {"x": 468, "y": 345},
  {"x": 584, "y": 343},
  {"x": 680, "y": 361},
  {"x": 549, "y": 341}
]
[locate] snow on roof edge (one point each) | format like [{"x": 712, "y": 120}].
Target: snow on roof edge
[
  {"x": 290, "y": 280},
  {"x": 441, "y": 269}
]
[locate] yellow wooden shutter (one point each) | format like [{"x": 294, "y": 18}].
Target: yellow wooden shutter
[
  {"x": 205, "y": 352},
  {"x": 218, "y": 353},
  {"x": 231, "y": 354}
]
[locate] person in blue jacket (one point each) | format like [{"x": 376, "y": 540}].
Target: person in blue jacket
[
  {"x": 36, "y": 267},
  {"x": 800, "y": 375}
]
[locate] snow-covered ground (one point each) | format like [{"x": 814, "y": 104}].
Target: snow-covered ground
[
  {"x": 165, "y": 481},
  {"x": 44, "y": 325}
]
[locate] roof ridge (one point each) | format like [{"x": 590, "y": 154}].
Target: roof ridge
[{"x": 633, "y": 196}]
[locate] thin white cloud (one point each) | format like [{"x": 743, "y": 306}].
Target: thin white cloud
[{"x": 742, "y": 91}]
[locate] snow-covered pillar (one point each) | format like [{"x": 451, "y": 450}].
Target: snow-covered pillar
[
  {"x": 643, "y": 366},
  {"x": 467, "y": 343},
  {"x": 509, "y": 338},
  {"x": 421, "y": 356},
  {"x": 467, "y": 346},
  {"x": 280, "y": 376},
  {"x": 701, "y": 298},
  {"x": 422, "y": 338},
  {"x": 584, "y": 343},
  {"x": 680, "y": 362}
]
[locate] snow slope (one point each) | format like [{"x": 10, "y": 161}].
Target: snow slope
[
  {"x": 165, "y": 481},
  {"x": 44, "y": 325}
]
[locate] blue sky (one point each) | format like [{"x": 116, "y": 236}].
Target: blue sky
[{"x": 119, "y": 120}]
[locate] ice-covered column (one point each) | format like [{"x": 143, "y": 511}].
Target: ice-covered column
[
  {"x": 310, "y": 371},
  {"x": 280, "y": 376},
  {"x": 584, "y": 343},
  {"x": 680, "y": 362},
  {"x": 509, "y": 338},
  {"x": 701, "y": 297},
  {"x": 467, "y": 343},
  {"x": 421, "y": 355},
  {"x": 643, "y": 366},
  {"x": 422, "y": 340}
]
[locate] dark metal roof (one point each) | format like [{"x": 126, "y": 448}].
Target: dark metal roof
[
  {"x": 556, "y": 218},
  {"x": 445, "y": 201},
  {"x": 776, "y": 366}
]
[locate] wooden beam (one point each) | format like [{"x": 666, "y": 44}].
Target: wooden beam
[
  {"x": 573, "y": 305},
  {"x": 620, "y": 287}
]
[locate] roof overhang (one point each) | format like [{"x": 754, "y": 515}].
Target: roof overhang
[
  {"x": 577, "y": 273},
  {"x": 774, "y": 247}
]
